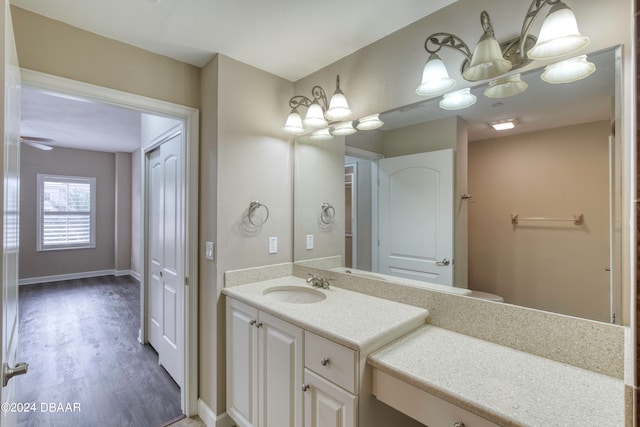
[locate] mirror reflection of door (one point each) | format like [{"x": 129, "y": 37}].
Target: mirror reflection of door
[{"x": 350, "y": 217}]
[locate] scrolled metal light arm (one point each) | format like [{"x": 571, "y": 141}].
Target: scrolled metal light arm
[{"x": 513, "y": 50}]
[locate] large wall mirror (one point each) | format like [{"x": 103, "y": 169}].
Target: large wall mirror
[{"x": 533, "y": 212}]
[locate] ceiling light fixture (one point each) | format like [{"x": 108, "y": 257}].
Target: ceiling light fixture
[
  {"x": 559, "y": 36},
  {"x": 324, "y": 119},
  {"x": 504, "y": 124}
]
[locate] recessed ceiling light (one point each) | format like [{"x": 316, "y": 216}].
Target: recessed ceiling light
[{"x": 504, "y": 124}]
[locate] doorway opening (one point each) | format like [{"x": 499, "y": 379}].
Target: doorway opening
[{"x": 188, "y": 119}]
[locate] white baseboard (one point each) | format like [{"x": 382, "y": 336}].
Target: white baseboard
[
  {"x": 129, "y": 272},
  {"x": 210, "y": 419},
  {"x": 72, "y": 276}
]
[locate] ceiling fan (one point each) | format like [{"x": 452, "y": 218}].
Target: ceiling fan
[{"x": 37, "y": 142}]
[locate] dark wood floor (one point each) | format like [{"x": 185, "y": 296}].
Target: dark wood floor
[{"x": 80, "y": 340}]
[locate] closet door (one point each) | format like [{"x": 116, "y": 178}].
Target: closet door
[{"x": 166, "y": 288}]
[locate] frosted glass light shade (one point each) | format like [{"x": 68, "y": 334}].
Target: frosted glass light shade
[
  {"x": 293, "y": 125},
  {"x": 343, "y": 129},
  {"x": 559, "y": 35},
  {"x": 435, "y": 78},
  {"x": 370, "y": 122},
  {"x": 338, "y": 107},
  {"x": 487, "y": 61},
  {"x": 568, "y": 71},
  {"x": 315, "y": 117},
  {"x": 506, "y": 87},
  {"x": 321, "y": 135},
  {"x": 458, "y": 100}
]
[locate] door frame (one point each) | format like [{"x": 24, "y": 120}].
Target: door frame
[{"x": 190, "y": 118}]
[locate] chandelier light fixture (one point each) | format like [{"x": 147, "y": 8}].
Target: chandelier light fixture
[
  {"x": 559, "y": 37},
  {"x": 325, "y": 119}
]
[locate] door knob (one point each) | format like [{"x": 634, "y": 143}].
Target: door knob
[
  {"x": 7, "y": 373},
  {"x": 443, "y": 263}
]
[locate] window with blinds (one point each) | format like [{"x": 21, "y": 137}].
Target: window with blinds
[{"x": 66, "y": 212}]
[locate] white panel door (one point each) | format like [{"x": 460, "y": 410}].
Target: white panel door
[
  {"x": 326, "y": 404},
  {"x": 10, "y": 189},
  {"x": 281, "y": 373},
  {"x": 415, "y": 208},
  {"x": 166, "y": 242},
  {"x": 155, "y": 247}
]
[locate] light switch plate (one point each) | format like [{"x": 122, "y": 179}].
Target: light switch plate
[
  {"x": 309, "y": 241},
  {"x": 209, "y": 251},
  {"x": 273, "y": 245}
]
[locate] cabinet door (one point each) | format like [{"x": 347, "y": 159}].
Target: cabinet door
[
  {"x": 326, "y": 404},
  {"x": 281, "y": 371},
  {"x": 242, "y": 363}
]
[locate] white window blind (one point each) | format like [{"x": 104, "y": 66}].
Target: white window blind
[{"x": 66, "y": 208}]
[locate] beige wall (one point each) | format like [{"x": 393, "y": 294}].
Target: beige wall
[
  {"x": 64, "y": 161},
  {"x": 55, "y": 48},
  {"x": 244, "y": 157},
  {"x": 319, "y": 178},
  {"x": 554, "y": 173}
]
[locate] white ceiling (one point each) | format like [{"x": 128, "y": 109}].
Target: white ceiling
[
  {"x": 75, "y": 123},
  {"x": 289, "y": 38}
]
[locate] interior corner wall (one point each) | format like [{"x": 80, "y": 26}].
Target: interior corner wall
[
  {"x": 554, "y": 173},
  {"x": 122, "y": 207},
  {"x": 210, "y": 367},
  {"x": 52, "y": 47},
  {"x": 70, "y": 162},
  {"x": 254, "y": 162}
]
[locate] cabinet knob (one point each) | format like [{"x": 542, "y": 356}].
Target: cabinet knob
[
  {"x": 305, "y": 387},
  {"x": 459, "y": 424},
  {"x": 259, "y": 325},
  {"x": 252, "y": 322},
  {"x": 325, "y": 361}
]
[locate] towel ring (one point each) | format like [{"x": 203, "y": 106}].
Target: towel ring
[
  {"x": 253, "y": 207},
  {"x": 327, "y": 213}
]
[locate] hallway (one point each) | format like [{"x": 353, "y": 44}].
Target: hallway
[{"x": 80, "y": 340}]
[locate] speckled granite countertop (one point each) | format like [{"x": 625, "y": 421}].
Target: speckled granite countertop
[
  {"x": 358, "y": 321},
  {"x": 506, "y": 386}
]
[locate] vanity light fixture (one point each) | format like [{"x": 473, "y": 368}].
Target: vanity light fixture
[
  {"x": 321, "y": 135},
  {"x": 505, "y": 87},
  {"x": 319, "y": 111},
  {"x": 458, "y": 100},
  {"x": 370, "y": 122},
  {"x": 568, "y": 71},
  {"x": 343, "y": 129},
  {"x": 504, "y": 124},
  {"x": 559, "y": 36},
  {"x": 326, "y": 119}
]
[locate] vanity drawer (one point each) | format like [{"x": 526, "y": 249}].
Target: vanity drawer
[
  {"x": 420, "y": 405},
  {"x": 333, "y": 361}
]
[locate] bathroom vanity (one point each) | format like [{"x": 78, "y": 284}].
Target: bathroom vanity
[
  {"x": 300, "y": 356},
  {"x": 291, "y": 362}
]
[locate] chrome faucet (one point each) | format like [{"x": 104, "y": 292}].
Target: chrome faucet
[{"x": 318, "y": 282}]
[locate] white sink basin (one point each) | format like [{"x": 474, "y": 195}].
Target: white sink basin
[{"x": 294, "y": 294}]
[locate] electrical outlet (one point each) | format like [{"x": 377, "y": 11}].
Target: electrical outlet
[
  {"x": 309, "y": 241},
  {"x": 273, "y": 245},
  {"x": 209, "y": 250}
]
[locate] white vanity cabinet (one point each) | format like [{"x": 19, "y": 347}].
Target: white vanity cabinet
[
  {"x": 330, "y": 383},
  {"x": 264, "y": 368}
]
